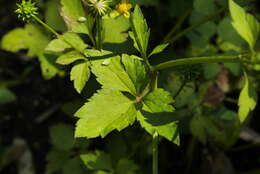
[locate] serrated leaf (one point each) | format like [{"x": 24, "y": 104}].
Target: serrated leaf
[
  {"x": 97, "y": 161},
  {"x": 6, "y": 96},
  {"x": 117, "y": 112},
  {"x": 80, "y": 74},
  {"x": 113, "y": 75},
  {"x": 158, "y": 100},
  {"x": 57, "y": 45},
  {"x": 244, "y": 23},
  {"x": 158, "y": 49},
  {"x": 247, "y": 100},
  {"x": 140, "y": 30},
  {"x": 62, "y": 136},
  {"x": 136, "y": 71},
  {"x": 71, "y": 11},
  {"x": 157, "y": 115},
  {"x": 70, "y": 57},
  {"x": 126, "y": 166}
]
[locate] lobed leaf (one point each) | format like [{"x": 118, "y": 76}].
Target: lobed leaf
[
  {"x": 106, "y": 111},
  {"x": 80, "y": 74},
  {"x": 70, "y": 57}
]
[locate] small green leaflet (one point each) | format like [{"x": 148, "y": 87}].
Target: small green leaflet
[
  {"x": 71, "y": 11},
  {"x": 245, "y": 24},
  {"x": 247, "y": 99},
  {"x": 70, "y": 57},
  {"x": 6, "y": 96},
  {"x": 136, "y": 71},
  {"x": 106, "y": 110},
  {"x": 113, "y": 74},
  {"x": 158, "y": 49},
  {"x": 75, "y": 41},
  {"x": 140, "y": 31},
  {"x": 80, "y": 74},
  {"x": 157, "y": 115}
]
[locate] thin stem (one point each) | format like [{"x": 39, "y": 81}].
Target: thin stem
[
  {"x": 201, "y": 60},
  {"x": 176, "y": 26},
  {"x": 206, "y": 19},
  {"x": 180, "y": 89},
  {"x": 155, "y": 153},
  {"x": 45, "y": 25}
]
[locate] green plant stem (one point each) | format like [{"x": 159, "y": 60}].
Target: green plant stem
[
  {"x": 46, "y": 26},
  {"x": 180, "y": 89},
  {"x": 99, "y": 33},
  {"x": 201, "y": 60},
  {"x": 187, "y": 30},
  {"x": 155, "y": 153}
]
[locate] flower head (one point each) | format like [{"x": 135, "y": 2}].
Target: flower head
[
  {"x": 100, "y": 7},
  {"x": 124, "y": 7},
  {"x": 26, "y": 9}
]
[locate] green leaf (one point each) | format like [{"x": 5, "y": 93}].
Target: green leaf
[
  {"x": 198, "y": 127},
  {"x": 6, "y": 96},
  {"x": 126, "y": 166},
  {"x": 52, "y": 15},
  {"x": 57, "y": 45},
  {"x": 97, "y": 161},
  {"x": 157, "y": 115},
  {"x": 211, "y": 70},
  {"x": 113, "y": 74},
  {"x": 14, "y": 40},
  {"x": 244, "y": 23},
  {"x": 140, "y": 31},
  {"x": 158, "y": 49},
  {"x": 71, "y": 11},
  {"x": 80, "y": 74},
  {"x": 62, "y": 136},
  {"x": 75, "y": 41},
  {"x": 31, "y": 37},
  {"x": 247, "y": 100},
  {"x": 158, "y": 100},
  {"x": 117, "y": 112},
  {"x": 70, "y": 57},
  {"x": 136, "y": 71},
  {"x": 48, "y": 67}
]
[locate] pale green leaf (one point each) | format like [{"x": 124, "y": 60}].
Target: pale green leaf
[
  {"x": 136, "y": 71},
  {"x": 57, "y": 45},
  {"x": 62, "y": 136},
  {"x": 158, "y": 49},
  {"x": 247, "y": 100},
  {"x": 6, "y": 96},
  {"x": 80, "y": 74},
  {"x": 113, "y": 75},
  {"x": 48, "y": 67},
  {"x": 140, "y": 30},
  {"x": 70, "y": 57},
  {"x": 14, "y": 40},
  {"x": 75, "y": 41},
  {"x": 106, "y": 110},
  {"x": 244, "y": 23},
  {"x": 71, "y": 11},
  {"x": 97, "y": 161}
]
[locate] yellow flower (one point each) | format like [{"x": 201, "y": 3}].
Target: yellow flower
[{"x": 123, "y": 8}]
